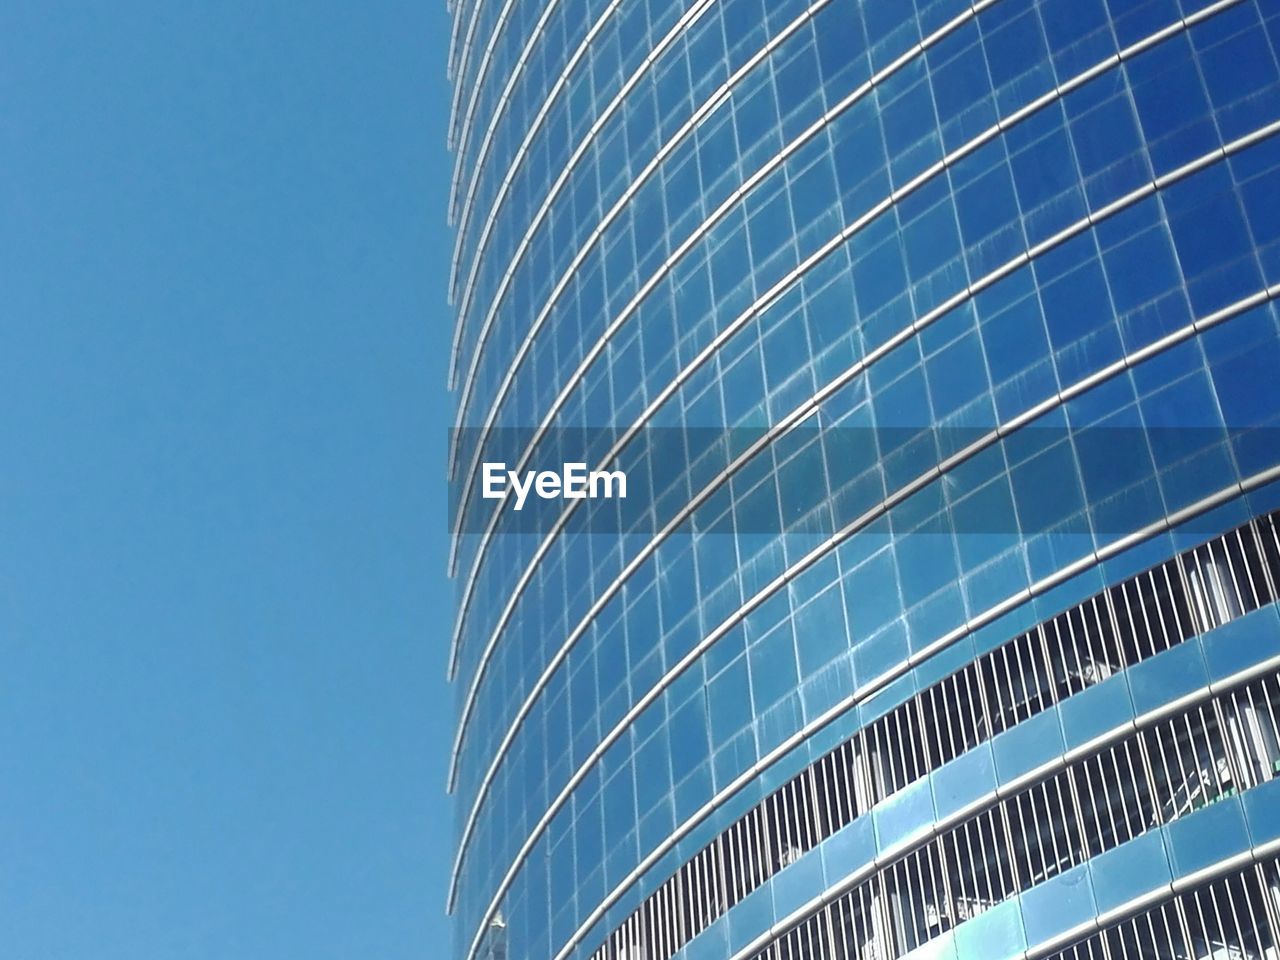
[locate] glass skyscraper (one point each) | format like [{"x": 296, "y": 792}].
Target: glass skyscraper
[{"x": 938, "y": 344}]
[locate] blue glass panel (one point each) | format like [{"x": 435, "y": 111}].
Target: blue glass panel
[
  {"x": 1095, "y": 711},
  {"x": 1207, "y": 836},
  {"x": 1167, "y": 677},
  {"x": 1028, "y": 745},
  {"x": 1059, "y": 904},
  {"x": 1242, "y": 643},
  {"x": 996, "y": 934},
  {"x": 1130, "y": 871}
]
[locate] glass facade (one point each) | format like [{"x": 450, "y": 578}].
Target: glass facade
[{"x": 952, "y": 629}]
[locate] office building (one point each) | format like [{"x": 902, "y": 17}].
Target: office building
[{"x": 950, "y": 627}]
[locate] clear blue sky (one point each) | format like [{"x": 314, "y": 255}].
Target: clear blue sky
[{"x": 223, "y": 612}]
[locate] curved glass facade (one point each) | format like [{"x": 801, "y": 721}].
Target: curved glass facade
[{"x": 938, "y": 344}]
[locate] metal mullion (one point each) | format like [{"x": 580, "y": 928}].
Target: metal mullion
[
  {"x": 765, "y": 851},
  {"x": 1264, "y": 567},
  {"x": 834, "y": 791},
  {"x": 845, "y": 773},
  {"x": 1198, "y": 593},
  {"x": 880, "y": 906},
  {"x": 1159, "y": 610},
  {"x": 715, "y": 883},
  {"x": 1213, "y": 547},
  {"x": 1208, "y": 582},
  {"x": 1043, "y": 788},
  {"x": 934, "y": 749},
  {"x": 906, "y": 894},
  {"x": 1248, "y": 905},
  {"x": 1149, "y": 916},
  {"x": 1212, "y": 891},
  {"x": 1013, "y": 696},
  {"x": 1275, "y": 536},
  {"x": 1148, "y": 772},
  {"x": 783, "y": 821},
  {"x": 1118, "y": 637},
  {"x": 1269, "y": 907},
  {"x": 1069, "y": 652},
  {"x": 820, "y": 801},
  {"x": 1073, "y": 791},
  {"x": 952, "y": 750},
  {"x": 1127, "y": 745},
  {"x": 1146, "y": 617},
  {"x": 1268, "y": 709},
  {"x": 840, "y": 783},
  {"x": 1231, "y": 570},
  {"x": 875, "y": 767},
  {"x": 1105, "y": 638},
  {"x": 1163, "y": 913},
  {"x": 828, "y": 925},
  {"x": 742, "y": 831},
  {"x": 1027, "y": 849},
  {"x": 1253, "y": 716},
  {"x": 927, "y": 764},
  {"x": 1015, "y": 648},
  {"x": 721, "y": 903},
  {"x": 1182, "y": 631},
  {"x": 1064, "y": 661},
  {"x": 937, "y": 878},
  {"x": 1119, "y": 931},
  {"x": 1179, "y": 910},
  {"x": 1224, "y": 738},
  {"x": 699, "y": 890},
  {"x": 1198, "y": 905},
  {"x": 1015, "y": 868},
  {"x": 1007, "y": 855},
  {"x": 822, "y": 783},
  {"x": 1239, "y": 730},
  {"x": 1248, "y": 570},
  {"x": 1093, "y": 809},
  {"x": 1191, "y": 740},
  {"x": 1091, "y": 627},
  {"x": 970, "y": 828},
  {"x": 791, "y": 816},
  {"x": 1046, "y": 693},
  {"x": 1188, "y": 596},
  {"x": 929, "y": 884},
  {"x": 979, "y": 824},
  {"x": 1106, "y": 794},
  {"x": 1077, "y": 643},
  {"x": 729, "y": 867},
  {"x": 1115, "y": 780},
  {"x": 901, "y": 776},
  {"x": 1131, "y": 632},
  {"x": 963, "y": 877},
  {"x": 981, "y": 703},
  {"x": 894, "y": 735},
  {"x": 840, "y": 915},
  {"x": 1041, "y": 646},
  {"x": 806, "y": 809},
  {"x": 1171, "y": 728},
  {"x": 662, "y": 943},
  {"x": 919, "y": 750},
  {"x": 1064, "y": 809},
  {"x": 793, "y": 820},
  {"x": 675, "y": 913}
]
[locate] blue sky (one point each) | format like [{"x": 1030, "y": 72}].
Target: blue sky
[{"x": 222, "y": 529}]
